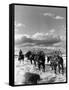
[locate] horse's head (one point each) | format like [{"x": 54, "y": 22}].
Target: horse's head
[{"x": 28, "y": 54}]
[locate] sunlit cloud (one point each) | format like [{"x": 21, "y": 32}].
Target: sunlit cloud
[
  {"x": 19, "y": 24},
  {"x": 17, "y": 29},
  {"x": 59, "y": 17},
  {"x": 38, "y": 36},
  {"x": 52, "y": 31},
  {"x": 41, "y": 36},
  {"x": 52, "y": 15},
  {"x": 19, "y": 36},
  {"x": 48, "y": 14}
]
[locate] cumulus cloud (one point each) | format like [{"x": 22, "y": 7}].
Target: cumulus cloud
[
  {"x": 42, "y": 36},
  {"x": 19, "y": 24},
  {"x": 48, "y": 14},
  {"x": 19, "y": 36},
  {"x": 63, "y": 38},
  {"x": 52, "y": 31},
  {"x": 58, "y": 17},
  {"x": 30, "y": 41},
  {"x": 39, "y": 36},
  {"x": 53, "y": 16}
]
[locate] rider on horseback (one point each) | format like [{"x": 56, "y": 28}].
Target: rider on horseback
[
  {"x": 21, "y": 56},
  {"x": 20, "y": 52}
]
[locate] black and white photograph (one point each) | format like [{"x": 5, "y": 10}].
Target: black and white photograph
[{"x": 40, "y": 44}]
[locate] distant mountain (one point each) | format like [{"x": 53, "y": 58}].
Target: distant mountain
[{"x": 46, "y": 51}]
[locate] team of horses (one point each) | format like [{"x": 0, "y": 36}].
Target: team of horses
[
  {"x": 56, "y": 61},
  {"x": 37, "y": 58}
]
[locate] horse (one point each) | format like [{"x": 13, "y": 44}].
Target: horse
[
  {"x": 49, "y": 58},
  {"x": 56, "y": 61},
  {"x": 31, "y": 56},
  {"x": 60, "y": 64},
  {"x": 28, "y": 55},
  {"x": 38, "y": 57},
  {"x": 41, "y": 60}
]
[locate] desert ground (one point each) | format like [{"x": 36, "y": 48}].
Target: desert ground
[{"x": 46, "y": 77}]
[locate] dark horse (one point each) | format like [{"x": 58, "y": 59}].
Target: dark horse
[
  {"x": 56, "y": 61},
  {"x": 60, "y": 64},
  {"x": 41, "y": 60},
  {"x": 38, "y": 57},
  {"x": 21, "y": 56},
  {"x": 31, "y": 56}
]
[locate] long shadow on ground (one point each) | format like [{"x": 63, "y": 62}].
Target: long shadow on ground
[{"x": 52, "y": 80}]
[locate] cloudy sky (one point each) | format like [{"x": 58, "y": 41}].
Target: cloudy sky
[{"x": 43, "y": 27}]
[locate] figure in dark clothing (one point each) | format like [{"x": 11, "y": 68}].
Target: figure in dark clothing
[{"x": 21, "y": 56}]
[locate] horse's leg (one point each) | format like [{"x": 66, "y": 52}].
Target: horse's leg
[
  {"x": 19, "y": 60},
  {"x": 39, "y": 66},
  {"x": 44, "y": 67},
  {"x": 34, "y": 62},
  {"x": 55, "y": 68},
  {"x": 23, "y": 60},
  {"x": 62, "y": 69},
  {"x": 52, "y": 67},
  {"x": 31, "y": 61},
  {"x": 59, "y": 68}
]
